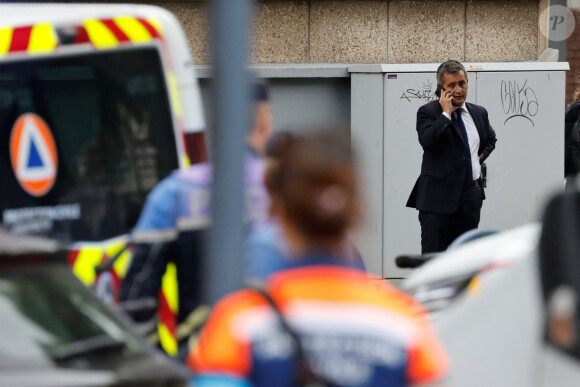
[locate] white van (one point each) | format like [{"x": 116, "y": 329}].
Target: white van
[{"x": 97, "y": 104}]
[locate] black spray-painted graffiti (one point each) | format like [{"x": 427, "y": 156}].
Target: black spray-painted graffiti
[
  {"x": 519, "y": 101},
  {"x": 425, "y": 94}
]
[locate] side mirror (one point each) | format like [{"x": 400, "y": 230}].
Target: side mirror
[{"x": 411, "y": 261}]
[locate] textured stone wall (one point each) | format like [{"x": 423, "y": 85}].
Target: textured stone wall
[{"x": 377, "y": 31}]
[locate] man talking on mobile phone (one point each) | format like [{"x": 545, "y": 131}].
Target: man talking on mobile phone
[{"x": 456, "y": 138}]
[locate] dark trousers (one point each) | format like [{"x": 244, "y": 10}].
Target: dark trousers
[{"x": 439, "y": 230}]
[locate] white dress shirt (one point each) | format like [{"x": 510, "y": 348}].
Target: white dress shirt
[{"x": 472, "y": 138}]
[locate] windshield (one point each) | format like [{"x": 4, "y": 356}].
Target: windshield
[
  {"x": 49, "y": 317},
  {"x": 109, "y": 117}
]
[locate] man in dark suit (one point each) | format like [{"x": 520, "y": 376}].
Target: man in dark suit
[{"x": 456, "y": 138}]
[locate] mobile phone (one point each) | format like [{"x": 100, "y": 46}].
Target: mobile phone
[{"x": 438, "y": 91}]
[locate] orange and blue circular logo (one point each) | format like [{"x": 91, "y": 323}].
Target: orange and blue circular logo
[{"x": 33, "y": 154}]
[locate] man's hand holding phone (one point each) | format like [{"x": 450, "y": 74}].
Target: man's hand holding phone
[{"x": 445, "y": 100}]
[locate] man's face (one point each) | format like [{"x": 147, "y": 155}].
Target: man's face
[
  {"x": 262, "y": 129},
  {"x": 456, "y": 84}
]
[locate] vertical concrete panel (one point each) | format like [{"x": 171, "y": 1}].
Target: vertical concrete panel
[
  {"x": 501, "y": 30},
  {"x": 425, "y": 31},
  {"x": 348, "y": 31},
  {"x": 405, "y": 93},
  {"x": 545, "y": 21},
  {"x": 530, "y": 106},
  {"x": 195, "y": 20},
  {"x": 279, "y": 32},
  {"x": 367, "y": 98}
]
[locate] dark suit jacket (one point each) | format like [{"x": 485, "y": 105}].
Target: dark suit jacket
[{"x": 440, "y": 186}]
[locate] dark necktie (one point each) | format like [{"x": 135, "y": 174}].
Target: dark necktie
[{"x": 461, "y": 126}]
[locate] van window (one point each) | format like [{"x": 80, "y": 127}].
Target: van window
[{"x": 110, "y": 117}]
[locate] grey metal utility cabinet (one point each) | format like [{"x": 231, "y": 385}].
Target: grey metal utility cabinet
[{"x": 525, "y": 102}]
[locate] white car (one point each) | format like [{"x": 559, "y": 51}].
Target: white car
[{"x": 485, "y": 298}]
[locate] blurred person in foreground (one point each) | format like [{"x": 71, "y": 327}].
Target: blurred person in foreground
[
  {"x": 319, "y": 319},
  {"x": 265, "y": 249},
  {"x": 173, "y": 224}
]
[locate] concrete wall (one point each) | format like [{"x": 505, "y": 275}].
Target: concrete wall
[
  {"x": 375, "y": 31},
  {"x": 378, "y": 31}
]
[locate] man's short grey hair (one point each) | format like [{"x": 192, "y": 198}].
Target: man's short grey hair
[{"x": 449, "y": 67}]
